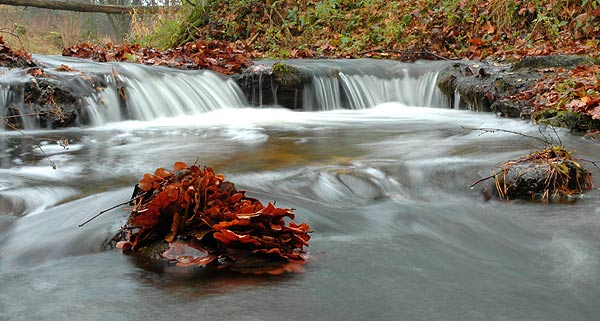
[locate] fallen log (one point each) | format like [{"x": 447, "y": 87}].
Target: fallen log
[{"x": 85, "y": 7}]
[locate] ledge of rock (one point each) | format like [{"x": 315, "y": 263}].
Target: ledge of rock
[{"x": 486, "y": 86}]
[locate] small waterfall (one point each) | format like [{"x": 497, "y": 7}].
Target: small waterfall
[
  {"x": 361, "y": 91},
  {"x": 151, "y": 94},
  {"x": 101, "y": 93},
  {"x": 322, "y": 93},
  {"x": 4, "y": 99},
  {"x": 137, "y": 92},
  {"x": 12, "y": 109},
  {"x": 456, "y": 100},
  {"x": 354, "y": 84},
  {"x": 113, "y": 92},
  {"x": 104, "y": 105}
]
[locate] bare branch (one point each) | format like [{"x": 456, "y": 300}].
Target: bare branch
[{"x": 494, "y": 130}]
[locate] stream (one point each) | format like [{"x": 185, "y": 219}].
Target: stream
[{"x": 398, "y": 233}]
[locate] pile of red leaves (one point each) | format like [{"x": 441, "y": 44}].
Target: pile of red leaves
[
  {"x": 576, "y": 90},
  {"x": 219, "y": 56},
  {"x": 207, "y": 222},
  {"x": 11, "y": 58}
]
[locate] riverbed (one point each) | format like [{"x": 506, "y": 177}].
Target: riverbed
[{"x": 398, "y": 233}]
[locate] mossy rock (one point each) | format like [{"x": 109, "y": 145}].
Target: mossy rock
[
  {"x": 286, "y": 75},
  {"x": 554, "y": 61},
  {"x": 53, "y": 100},
  {"x": 565, "y": 119},
  {"x": 529, "y": 180},
  {"x": 550, "y": 174}
]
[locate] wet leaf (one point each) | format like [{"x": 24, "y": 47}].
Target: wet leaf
[
  {"x": 179, "y": 166},
  {"x": 175, "y": 226}
]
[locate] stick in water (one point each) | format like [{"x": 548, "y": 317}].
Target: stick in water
[{"x": 112, "y": 208}]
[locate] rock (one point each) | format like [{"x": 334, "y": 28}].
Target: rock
[
  {"x": 482, "y": 86},
  {"x": 279, "y": 84},
  {"x": 44, "y": 98},
  {"x": 566, "y": 119},
  {"x": 549, "y": 175},
  {"x": 554, "y": 61}
]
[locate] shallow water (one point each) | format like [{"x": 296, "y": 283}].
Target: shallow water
[{"x": 398, "y": 234}]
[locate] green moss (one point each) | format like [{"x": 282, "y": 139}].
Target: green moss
[
  {"x": 286, "y": 75},
  {"x": 566, "y": 119}
]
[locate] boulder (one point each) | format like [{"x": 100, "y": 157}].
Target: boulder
[{"x": 548, "y": 175}]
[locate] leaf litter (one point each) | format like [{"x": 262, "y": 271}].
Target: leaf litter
[{"x": 207, "y": 222}]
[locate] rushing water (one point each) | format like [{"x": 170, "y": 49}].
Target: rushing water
[{"x": 398, "y": 234}]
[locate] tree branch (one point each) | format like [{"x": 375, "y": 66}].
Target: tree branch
[{"x": 83, "y": 7}]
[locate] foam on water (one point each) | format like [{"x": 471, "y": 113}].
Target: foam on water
[{"x": 573, "y": 261}]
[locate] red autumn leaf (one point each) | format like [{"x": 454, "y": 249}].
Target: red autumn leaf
[
  {"x": 476, "y": 42},
  {"x": 236, "y": 197},
  {"x": 226, "y": 236},
  {"x": 201, "y": 261},
  {"x": 162, "y": 173},
  {"x": 149, "y": 182},
  {"x": 179, "y": 166},
  {"x": 146, "y": 219},
  {"x": 175, "y": 226},
  {"x": 228, "y": 224}
]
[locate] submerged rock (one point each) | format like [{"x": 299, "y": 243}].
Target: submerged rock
[{"x": 44, "y": 101}]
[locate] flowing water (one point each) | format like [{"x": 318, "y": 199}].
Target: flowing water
[{"x": 398, "y": 233}]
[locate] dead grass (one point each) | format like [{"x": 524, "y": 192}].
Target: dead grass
[{"x": 41, "y": 31}]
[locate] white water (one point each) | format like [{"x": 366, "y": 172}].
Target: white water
[
  {"x": 365, "y": 83},
  {"x": 4, "y": 100},
  {"x": 366, "y": 91},
  {"x": 138, "y": 92},
  {"x": 124, "y": 91},
  {"x": 166, "y": 94}
]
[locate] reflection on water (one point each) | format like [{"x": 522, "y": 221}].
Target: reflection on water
[{"x": 398, "y": 235}]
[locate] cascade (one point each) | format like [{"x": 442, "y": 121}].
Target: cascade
[
  {"x": 361, "y": 91},
  {"x": 154, "y": 92},
  {"x": 11, "y": 104},
  {"x": 114, "y": 92},
  {"x": 4, "y": 99},
  {"x": 353, "y": 84}
]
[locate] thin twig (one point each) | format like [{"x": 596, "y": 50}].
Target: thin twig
[
  {"x": 485, "y": 179},
  {"x": 13, "y": 127},
  {"x": 112, "y": 208},
  {"x": 588, "y": 161},
  {"x": 557, "y": 136},
  {"x": 493, "y": 130}
]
